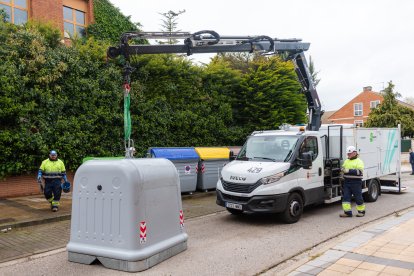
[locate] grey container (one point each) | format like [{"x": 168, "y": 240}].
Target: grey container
[
  {"x": 212, "y": 161},
  {"x": 185, "y": 160},
  {"x": 126, "y": 213}
]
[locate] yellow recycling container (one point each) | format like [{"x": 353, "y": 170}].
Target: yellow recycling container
[{"x": 212, "y": 160}]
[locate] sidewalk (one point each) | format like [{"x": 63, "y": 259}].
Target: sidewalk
[
  {"x": 31, "y": 210},
  {"x": 384, "y": 249}
]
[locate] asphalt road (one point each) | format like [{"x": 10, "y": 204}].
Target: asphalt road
[{"x": 223, "y": 244}]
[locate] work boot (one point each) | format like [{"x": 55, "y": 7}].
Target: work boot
[
  {"x": 345, "y": 215},
  {"x": 360, "y": 214},
  {"x": 55, "y": 209}
]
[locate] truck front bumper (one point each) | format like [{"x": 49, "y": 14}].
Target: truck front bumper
[{"x": 255, "y": 204}]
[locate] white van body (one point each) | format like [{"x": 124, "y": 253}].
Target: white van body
[{"x": 268, "y": 175}]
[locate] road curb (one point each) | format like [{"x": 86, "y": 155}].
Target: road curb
[
  {"x": 22, "y": 224},
  {"x": 197, "y": 194}
]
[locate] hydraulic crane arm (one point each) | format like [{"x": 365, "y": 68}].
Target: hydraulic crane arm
[
  {"x": 211, "y": 42},
  {"x": 309, "y": 89}
]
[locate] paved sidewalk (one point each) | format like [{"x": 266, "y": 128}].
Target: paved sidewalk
[
  {"x": 31, "y": 210},
  {"x": 31, "y": 240},
  {"x": 384, "y": 249}
]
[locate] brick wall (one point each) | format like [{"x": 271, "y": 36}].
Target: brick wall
[
  {"x": 47, "y": 11},
  {"x": 52, "y": 10},
  {"x": 91, "y": 16},
  {"x": 22, "y": 185},
  {"x": 345, "y": 115}
]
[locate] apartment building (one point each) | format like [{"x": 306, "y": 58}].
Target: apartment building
[{"x": 70, "y": 16}]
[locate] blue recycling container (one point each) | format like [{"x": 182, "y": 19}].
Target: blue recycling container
[{"x": 185, "y": 160}]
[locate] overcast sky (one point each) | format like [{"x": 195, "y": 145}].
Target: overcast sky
[{"x": 354, "y": 43}]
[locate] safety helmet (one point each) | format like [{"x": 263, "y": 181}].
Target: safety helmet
[
  {"x": 53, "y": 152},
  {"x": 350, "y": 149},
  {"x": 65, "y": 187}
]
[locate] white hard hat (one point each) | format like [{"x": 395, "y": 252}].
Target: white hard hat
[{"x": 350, "y": 149}]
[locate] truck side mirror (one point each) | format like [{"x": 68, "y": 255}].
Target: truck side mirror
[
  {"x": 306, "y": 161},
  {"x": 232, "y": 156}
]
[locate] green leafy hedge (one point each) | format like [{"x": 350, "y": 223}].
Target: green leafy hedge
[
  {"x": 70, "y": 99},
  {"x": 54, "y": 96}
]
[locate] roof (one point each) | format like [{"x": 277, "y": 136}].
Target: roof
[{"x": 326, "y": 115}]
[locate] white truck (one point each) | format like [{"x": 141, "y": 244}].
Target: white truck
[{"x": 281, "y": 171}]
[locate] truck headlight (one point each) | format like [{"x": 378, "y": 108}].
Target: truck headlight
[{"x": 272, "y": 178}]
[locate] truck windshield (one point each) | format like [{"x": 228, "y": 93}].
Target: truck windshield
[{"x": 268, "y": 148}]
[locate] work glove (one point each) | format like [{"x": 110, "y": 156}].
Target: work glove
[
  {"x": 39, "y": 179},
  {"x": 345, "y": 170}
]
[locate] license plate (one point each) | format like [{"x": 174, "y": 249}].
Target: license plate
[{"x": 234, "y": 206}]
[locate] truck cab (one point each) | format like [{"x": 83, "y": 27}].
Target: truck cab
[
  {"x": 281, "y": 171},
  {"x": 278, "y": 171}
]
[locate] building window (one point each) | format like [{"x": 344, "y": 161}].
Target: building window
[
  {"x": 74, "y": 22},
  {"x": 374, "y": 104},
  {"x": 16, "y": 10},
  {"x": 359, "y": 123},
  {"x": 357, "y": 109}
]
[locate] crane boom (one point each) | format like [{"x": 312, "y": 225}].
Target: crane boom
[{"x": 211, "y": 42}]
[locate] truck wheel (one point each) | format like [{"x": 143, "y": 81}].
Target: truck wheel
[
  {"x": 373, "y": 191},
  {"x": 294, "y": 208},
  {"x": 234, "y": 211}
]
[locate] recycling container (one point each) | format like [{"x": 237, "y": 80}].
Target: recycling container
[
  {"x": 212, "y": 160},
  {"x": 126, "y": 213},
  {"x": 102, "y": 158},
  {"x": 185, "y": 160}
]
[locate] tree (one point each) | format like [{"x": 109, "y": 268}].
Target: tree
[
  {"x": 53, "y": 96},
  {"x": 313, "y": 72},
  {"x": 175, "y": 103},
  {"x": 70, "y": 99},
  {"x": 268, "y": 93},
  {"x": 271, "y": 95},
  {"x": 170, "y": 23},
  {"x": 389, "y": 113},
  {"x": 237, "y": 61}
]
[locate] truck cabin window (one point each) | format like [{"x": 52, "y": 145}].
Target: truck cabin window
[
  {"x": 268, "y": 148},
  {"x": 310, "y": 144}
]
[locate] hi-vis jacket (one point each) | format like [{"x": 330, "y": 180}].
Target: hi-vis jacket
[
  {"x": 52, "y": 169},
  {"x": 353, "y": 169}
]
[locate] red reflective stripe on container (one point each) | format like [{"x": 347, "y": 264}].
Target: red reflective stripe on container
[{"x": 181, "y": 218}]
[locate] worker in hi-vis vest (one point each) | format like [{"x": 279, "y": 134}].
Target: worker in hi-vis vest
[
  {"x": 352, "y": 169},
  {"x": 53, "y": 171}
]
